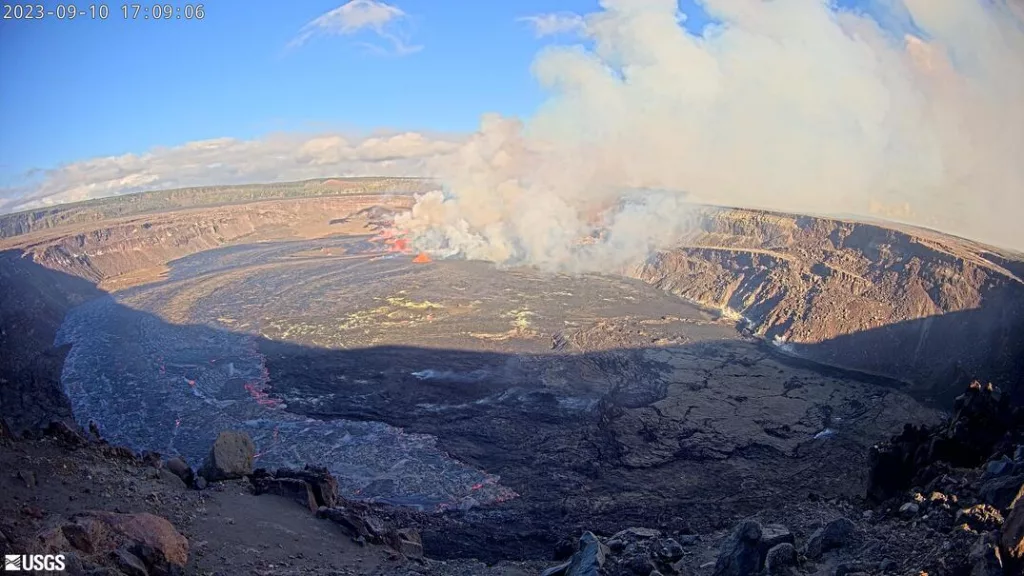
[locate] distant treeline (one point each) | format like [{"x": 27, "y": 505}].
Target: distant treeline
[{"x": 166, "y": 200}]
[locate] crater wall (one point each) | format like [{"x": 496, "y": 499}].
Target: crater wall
[
  {"x": 926, "y": 308},
  {"x": 931, "y": 310}
]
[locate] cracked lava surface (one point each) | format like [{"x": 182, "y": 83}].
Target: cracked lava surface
[{"x": 574, "y": 400}]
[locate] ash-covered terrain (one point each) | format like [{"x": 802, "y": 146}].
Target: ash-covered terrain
[{"x": 748, "y": 368}]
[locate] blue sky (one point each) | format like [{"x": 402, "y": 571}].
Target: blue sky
[
  {"x": 82, "y": 88},
  {"x": 90, "y": 108},
  {"x": 72, "y": 90}
]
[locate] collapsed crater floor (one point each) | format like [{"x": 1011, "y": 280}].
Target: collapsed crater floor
[{"x": 512, "y": 402}]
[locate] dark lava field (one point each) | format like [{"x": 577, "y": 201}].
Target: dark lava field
[{"x": 535, "y": 403}]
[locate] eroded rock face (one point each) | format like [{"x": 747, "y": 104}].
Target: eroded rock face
[
  {"x": 899, "y": 302},
  {"x": 124, "y": 541}
]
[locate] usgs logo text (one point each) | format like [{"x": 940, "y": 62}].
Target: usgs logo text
[{"x": 33, "y": 562}]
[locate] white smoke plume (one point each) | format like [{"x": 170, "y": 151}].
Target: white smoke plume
[{"x": 793, "y": 105}]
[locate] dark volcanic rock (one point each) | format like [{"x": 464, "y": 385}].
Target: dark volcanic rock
[
  {"x": 291, "y": 488},
  {"x": 780, "y": 559},
  {"x": 590, "y": 557},
  {"x": 985, "y": 557},
  {"x": 982, "y": 417},
  {"x": 771, "y": 536},
  {"x": 739, "y": 554},
  {"x": 833, "y": 535},
  {"x": 231, "y": 457},
  {"x": 321, "y": 482},
  {"x": 1002, "y": 492},
  {"x": 182, "y": 470}
]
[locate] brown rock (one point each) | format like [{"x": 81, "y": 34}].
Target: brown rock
[
  {"x": 99, "y": 536},
  {"x": 231, "y": 456},
  {"x": 181, "y": 469}
]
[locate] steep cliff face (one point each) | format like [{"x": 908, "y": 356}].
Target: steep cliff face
[
  {"x": 906, "y": 303},
  {"x": 106, "y": 250},
  {"x": 46, "y": 273},
  {"x": 910, "y": 304}
]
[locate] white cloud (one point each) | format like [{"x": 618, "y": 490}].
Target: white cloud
[
  {"x": 791, "y": 105},
  {"x": 276, "y": 158},
  {"x": 555, "y": 23},
  {"x": 379, "y": 18}
]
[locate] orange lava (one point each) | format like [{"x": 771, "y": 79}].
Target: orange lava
[{"x": 421, "y": 258}]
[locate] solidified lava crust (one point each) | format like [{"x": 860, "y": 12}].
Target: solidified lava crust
[{"x": 545, "y": 401}]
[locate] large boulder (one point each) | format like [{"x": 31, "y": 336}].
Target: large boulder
[
  {"x": 590, "y": 557},
  {"x": 1002, "y": 492},
  {"x": 740, "y": 553},
  {"x": 181, "y": 469},
  {"x": 291, "y": 488},
  {"x": 120, "y": 541},
  {"x": 230, "y": 457},
  {"x": 321, "y": 482},
  {"x": 780, "y": 559},
  {"x": 833, "y": 535},
  {"x": 642, "y": 551},
  {"x": 771, "y": 536}
]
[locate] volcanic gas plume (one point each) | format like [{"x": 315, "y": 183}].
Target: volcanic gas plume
[{"x": 908, "y": 111}]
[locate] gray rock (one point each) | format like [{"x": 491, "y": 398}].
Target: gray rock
[
  {"x": 739, "y": 554},
  {"x": 408, "y": 542},
  {"x": 200, "y": 483},
  {"x": 888, "y": 566},
  {"x": 167, "y": 477},
  {"x": 909, "y": 510},
  {"x": 670, "y": 550},
  {"x": 590, "y": 557},
  {"x": 231, "y": 456},
  {"x": 771, "y": 536},
  {"x": 780, "y": 559},
  {"x": 1002, "y": 492},
  {"x": 832, "y": 535},
  {"x": 128, "y": 563},
  {"x": 181, "y": 469}
]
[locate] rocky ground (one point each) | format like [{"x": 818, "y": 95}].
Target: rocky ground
[
  {"x": 636, "y": 439},
  {"x": 944, "y": 500},
  {"x": 113, "y": 512},
  {"x": 935, "y": 506}
]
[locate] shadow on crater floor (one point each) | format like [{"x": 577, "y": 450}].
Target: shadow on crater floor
[{"x": 508, "y": 452}]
